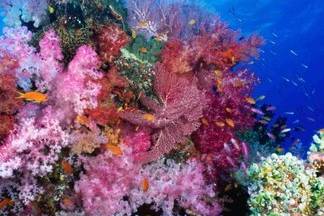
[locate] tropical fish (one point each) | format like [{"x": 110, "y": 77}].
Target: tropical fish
[
  {"x": 285, "y": 78},
  {"x": 293, "y": 52},
  {"x": 229, "y": 110},
  {"x": 275, "y": 35},
  {"x": 257, "y": 111},
  {"x": 289, "y": 113},
  {"x": 219, "y": 123},
  {"x": 82, "y": 120},
  {"x": 304, "y": 66},
  {"x": 115, "y": 13},
  {"x": 310, "y": 119},
  {"x": 33, "y": 96},
  {"x": 192, "y": 22},
  {"x": 271, "y": 136},
  {"x": 67, "y": 167},
  {"x": 294, "y": 83},
  {"x": 230, "y": 161},
  {"x": 296, "y": 121},
  {"x": 250, "y": 100},
  {"x": 321, "y": 130},
  {"x": 262, "y": 97},
  {"x": 279, "y": 149},
  {"x": 234, "y": 142},
  {"x": 271, "y": 108},
  {"x": 245, "y": 150},
  {"x": 143, "y": 50},
  {"x": 286, "y": 130},
  {"x": 310, "y": 109},
  {"x": 114, "y": 149},
  {"x": 230, "y": 122},
  {"x": 134, "y": 34},
  {"x": 145, "y": 184},
  {"x": 204, "y": 121},
  {"x": 51, "y": 9},
  {"x": 149, "y": 117}
]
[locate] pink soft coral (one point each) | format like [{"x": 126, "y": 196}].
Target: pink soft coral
[
  {"x": 114, "y": 185},
  {"x": 176, "y": 117},
  {"x": 51, "y": 56},
  {"x": 33, "y": 147},
  {"x": 77, "y": 86}
]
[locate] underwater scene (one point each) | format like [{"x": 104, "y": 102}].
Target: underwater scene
[{"x": 161, "y": 108}]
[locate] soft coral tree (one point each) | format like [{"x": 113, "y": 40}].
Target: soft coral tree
[
  {"x": 113, "y": 185},
  {"x": 111, "y": 39},
  {"x": 174, "y": 117},
  {"x": 216, "y": 48},
  {"x": 77, "y": 86},
  {"x": 228, "y": 111},
  {"x": 32, "y": 147}
]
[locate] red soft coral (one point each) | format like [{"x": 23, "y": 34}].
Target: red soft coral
[
  {"x": 219, "y": 48},
  {"x": 111, "y": 39},
  {"x": 175, "y": 117},
  {"x": 228, "y": 111}
]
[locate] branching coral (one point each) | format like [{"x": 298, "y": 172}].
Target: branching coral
[
  {"x": 282, "y": 185},
  {"x": 176, "y": 117}
]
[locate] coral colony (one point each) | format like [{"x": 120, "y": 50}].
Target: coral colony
[{"x": 140, "y": 107}]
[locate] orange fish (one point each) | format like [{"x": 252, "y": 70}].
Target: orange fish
[
  {"x": 82, "y": 120},
  {"x": 143, "y": 50},
  {"x": 143, "y": 24},
  {"x": 229, "y": 110},
  {"x": 145, "y": 184},
  {"x": 218, "y": 73},
  {"x": 220, "y": 124},
  {"x": 250, "y": 100},
  {"x": 321, "y": 131},
  {"x": 204, "y": 121},
  {"x": 115, "y": 150},
  {"x": 5, "y": 202},
  {"x": 33, "y": 96},
  {"x": 67, "y": 167},
  {"x": 149, "y": 117},
  {"x": 230, "y": 122}
]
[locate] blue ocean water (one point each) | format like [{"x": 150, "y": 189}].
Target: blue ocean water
[
  {"x": 291, "y": 66},
  {"x": 294, "y": 51}
]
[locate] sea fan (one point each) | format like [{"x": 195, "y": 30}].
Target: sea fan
[{"x": 175, "y": 117}]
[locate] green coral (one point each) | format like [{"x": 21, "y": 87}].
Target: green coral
[
  {"x": 318, "y": 143},
  {"x": 137, "y": 62},
  {"x": 145, "y": 51},
  {"x": 72, "y": 39},
  {"x": 281, "y": 185}
]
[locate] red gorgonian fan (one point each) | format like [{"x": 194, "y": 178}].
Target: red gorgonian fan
[{"x": 175, "y": 116}]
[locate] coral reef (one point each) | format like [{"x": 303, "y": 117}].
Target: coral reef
[
  {"x": 133, "y": 107},
  {"x": 283, "y": 185}
]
